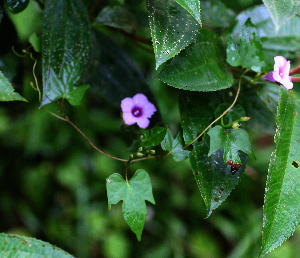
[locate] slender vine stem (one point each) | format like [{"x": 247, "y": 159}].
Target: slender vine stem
[{"x": 217, "y": 119}]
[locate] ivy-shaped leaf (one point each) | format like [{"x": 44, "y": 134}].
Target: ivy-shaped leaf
[
  {"x": 231, "y": 141},
  {"x": 282, "y": 206},
  {"x": 172, "y": 28},
  {"x": 66, "y": 37},
  {"x": 133, "y": 193},
  {"x": 249, "y": 53},
  {"x": 153, "y": 137},
  {"x": 281, "y": 11},
  {"x": 7, "y": 91},
  {"x": 175, "y": 146},
  {"x": 19, "y": 246},
  {"x": 199, "y": 67},
  {"x": 65, "y": 87}
]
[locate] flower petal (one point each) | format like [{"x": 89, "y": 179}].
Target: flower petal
[
  {"x": 279, "y": 62},
  {"x": 287, "y": 83},
  {"x": 127, "y": 104},
  {"x": 149, "y": 109},
  {"x": 140, "y": 99},
  {"x": 129, "y": 119},
  {"x": 143, "y": 122},
  {"x": 270, "y": 77}
]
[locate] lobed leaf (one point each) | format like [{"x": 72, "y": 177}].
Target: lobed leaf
[
  {"x": 19, "y": 246},
  {"x": 249, "y": 54},
  {"x": 199, "y": 67},
  {"x": 173, "y": 28},
  {"x": 133, "y": 193},
  {"x": 66, "y": 37},
  {"x": 231, "y": 141},
  {"x": 281, "y": 205},
  {"x": 7, "y": 91},
  {"x": 175, "y": 146}
]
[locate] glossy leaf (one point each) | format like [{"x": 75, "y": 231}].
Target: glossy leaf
[
  {"x": 212, "y": 175},
  {"x": 235, "y": 113},
  {"x": 16, "y": 6},
  {"x": 199, "y": 67},
  {"x": 284, "y": 42},
  {"x": 116, "y": 17},
  {"x": 249, "y": 53},
  {"x": 153, "y": 137},
  {"x": 281, "y": 207},
  {"x": 19, "y": 246},
  {"x": 175, "y": 146},
  {"x": 214, "y": 13},
  {"x": 231, "y": 140},
  {"x": 281, "y": 11},
  {"x": 7, "y": 92},
  {"x": 133, "y": 193},
  {"x": 193, "y": 7},
  {"x": 65, "y": 88},
  {"x": 173, "y": 28},
  {"x": 66, "y": 37}
]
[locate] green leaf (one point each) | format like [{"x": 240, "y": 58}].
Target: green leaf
[
  {"x": 214, "y": 13},
  {"x": 281, "y": 207},
  {"x": 116, "y": 17},
  {"x": 117, "y": 76},
  {"x": 66, "y": 37},
  {"x": 231, "y": 141},
  {"x": 175, "y": 146},
  {"x": 153, "y": 137},
  {"x": 249, "y": 54},
  {"x": 284, "y": 42},
  {"x": 35, "y": 41},
  {"x": 19, "y": 246},
  {"x": 133, "y": 193},
  {"x": 170, "y": 33},
  {"x": 193, "y": 7},
  {"x": 212, "y": 175},
  {"x": 235, "y": 113},
  {"x": 199, "y": 67},
  {"x": 281, "y": 11},
  {"x": 7, "y": 91},
  {"x": 65, "y": 88}
]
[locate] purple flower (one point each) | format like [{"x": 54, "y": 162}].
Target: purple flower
[
  {"x": 137, "y": 110},
  {"x": 281, "y": 72}
]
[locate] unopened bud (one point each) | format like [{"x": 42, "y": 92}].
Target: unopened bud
[
  {"x": 131, "y": 156},
  {"x": 235, "y": 125},
  {"x": 140, "y": 149},
  {"x": 139, "y": 155},
  {"x": 244, "y": 118},
  {"x": 152, "y": 152}
]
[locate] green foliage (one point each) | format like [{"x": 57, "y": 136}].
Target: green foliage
[
  {"x": 281, "y": 11},
  {"x": 175, "y": 146},
  {"x": 7, "y": 91},
  {"x": 281, "y": 206},
  {"x": 17, "y": 246},
  {"x": 65, "y": 88},
  {"x": 249, "y": 54},
  {"x": 66, "y": 38},
  {"x": 153, "y": 137},
  {"x": 133, "y": 193},
  {"x": 231, "y": 141},
  {"x": 164, "y": 18},
  {"x": 199, "y": 67}
]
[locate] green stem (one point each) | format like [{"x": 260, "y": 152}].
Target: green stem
[{"x": 217, "y": 119}]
